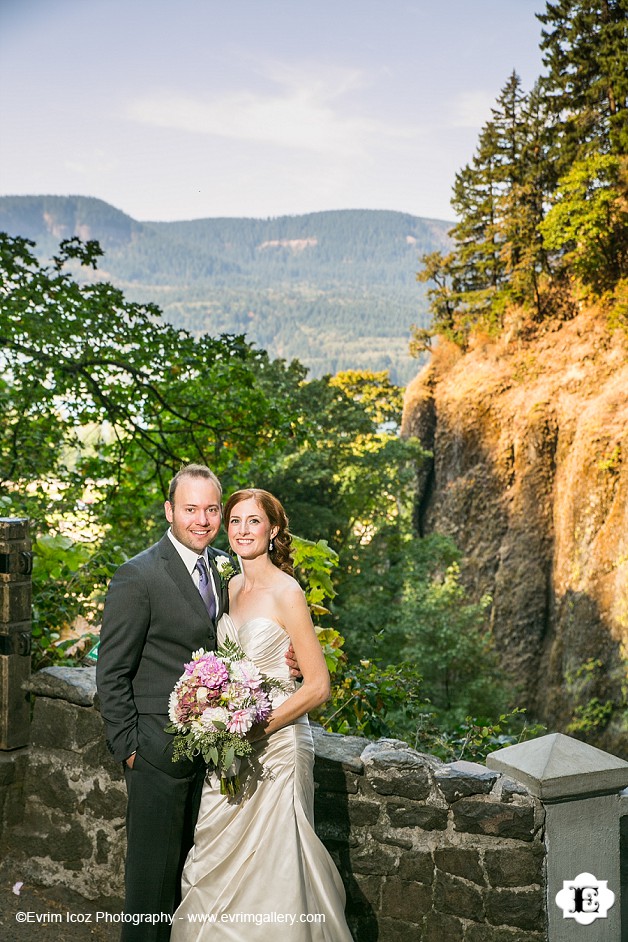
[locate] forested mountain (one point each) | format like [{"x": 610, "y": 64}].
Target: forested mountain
[{"x": 337, "y": 290}]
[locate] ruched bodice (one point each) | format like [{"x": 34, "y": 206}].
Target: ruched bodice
[{"x": 257, "y": 869}]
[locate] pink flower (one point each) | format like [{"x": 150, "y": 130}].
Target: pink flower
[
  {"x": 210, "y": 671},
  {"x": 240, "y": 722}
]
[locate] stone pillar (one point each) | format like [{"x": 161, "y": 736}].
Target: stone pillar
[
  {"x": 581, "y": 789},
  {"x": 15, "y": 631}
]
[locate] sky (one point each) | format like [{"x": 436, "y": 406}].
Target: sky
[{"x": 186, "y": 109}]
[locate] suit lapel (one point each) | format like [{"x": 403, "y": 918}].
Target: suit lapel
[{"x": 175, "y": 567}]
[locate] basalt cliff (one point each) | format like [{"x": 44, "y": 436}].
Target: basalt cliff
[{"x": 529, "y": 475}]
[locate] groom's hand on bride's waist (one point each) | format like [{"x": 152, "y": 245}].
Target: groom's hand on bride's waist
[{"x": 292, "y": 663}]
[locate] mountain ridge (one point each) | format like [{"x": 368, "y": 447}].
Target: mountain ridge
[{"x": 335, "y": 289}]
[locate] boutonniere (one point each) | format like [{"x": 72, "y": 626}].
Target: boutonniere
[{"x": 227, "y": 568}]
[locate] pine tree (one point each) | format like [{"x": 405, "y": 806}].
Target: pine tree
[
  {"x": 538, "y": 150},
  {"x": 523, "y": 205},
  {"x": 586, "y": 53},
  {"x": 475, "y": 199},
  {"x": 498, "y": 198}
]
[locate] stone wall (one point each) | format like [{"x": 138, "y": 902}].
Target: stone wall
[{"x": 428, "y": 852}]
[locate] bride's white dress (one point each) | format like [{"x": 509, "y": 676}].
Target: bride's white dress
[{"x": 257, "y": 869}]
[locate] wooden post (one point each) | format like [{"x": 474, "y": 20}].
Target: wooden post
[{"x": 16, "y": 564}]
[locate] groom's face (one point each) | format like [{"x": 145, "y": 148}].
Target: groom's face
[{"x": 195, "y": 513}]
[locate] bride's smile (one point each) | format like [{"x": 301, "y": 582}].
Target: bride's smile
[{"x": 249, "y": 530}]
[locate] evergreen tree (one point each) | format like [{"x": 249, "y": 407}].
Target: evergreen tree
[
  {"x": 499, "y": 199},
  {"x": 533, "y": 179},
  {"x": 479, "y": 269},
  {"x": 537, "y": 150},
  {"x": 585, "y": 43}
]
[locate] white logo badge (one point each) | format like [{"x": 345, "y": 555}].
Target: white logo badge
[{"x": 585, "y": 899}]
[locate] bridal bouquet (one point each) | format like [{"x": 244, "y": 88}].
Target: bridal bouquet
[{"x": 215, "y": 702}]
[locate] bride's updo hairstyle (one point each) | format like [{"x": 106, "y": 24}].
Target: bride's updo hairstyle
[{"x": 281, "y": 554}]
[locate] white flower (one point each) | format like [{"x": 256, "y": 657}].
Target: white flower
[
  {"x": 214, "y": 715},
  {"x": 247, "y": 673},
  {"x": 226, "y": 568}
]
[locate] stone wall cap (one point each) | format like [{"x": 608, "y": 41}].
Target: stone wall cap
[
  {"x": 74, "y": 684},
  {"x": 559, "y": 767},
  {"x": 335, "y": 747},
  {"x": 395, "y": 752},
  {"x": 462, "y": 779},
  {"x": 468, "y": 769}
]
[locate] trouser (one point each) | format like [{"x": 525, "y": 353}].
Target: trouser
[{"x": 161, "y": 815}]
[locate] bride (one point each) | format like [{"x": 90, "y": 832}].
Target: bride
[{"x": 257, "y": 869}]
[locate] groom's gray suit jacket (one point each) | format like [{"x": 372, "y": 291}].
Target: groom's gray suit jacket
[{"x": 154, "y": 618}]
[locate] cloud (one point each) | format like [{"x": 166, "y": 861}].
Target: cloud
[
  {"x": 91, "y": 163},
  {"x": 472, "y": 109},
  {"x": 299, "y": 111}
]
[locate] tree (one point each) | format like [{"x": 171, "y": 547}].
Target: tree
[
  {"x": 350, "y": 467},
  {"x": 536, "y": 149},
  {"x": 478, "y": 267},
  {"x": 103, "y": 402},
  {"x": 381, "y": 399},
  {"x": 498, "y": 198},
  {"x": 523, "y": 205},
  {"x": 585, "y": 43},
  {"x": 588, "y": 223},
  {"x": 437, "y": 627},
  {"x": 438, "y": 269}
]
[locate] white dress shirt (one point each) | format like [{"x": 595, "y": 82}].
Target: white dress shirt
[{"x": 189, "y": 558}]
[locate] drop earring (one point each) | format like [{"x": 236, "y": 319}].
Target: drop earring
[{"x": 271, "y": 546}]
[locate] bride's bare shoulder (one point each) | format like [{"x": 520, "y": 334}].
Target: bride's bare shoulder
[
  {"x": 288, "y": 593},
  {"x": 286, "y": 582}
]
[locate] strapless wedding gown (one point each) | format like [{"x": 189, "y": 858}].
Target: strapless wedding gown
[{"x": 257, "y": 870}]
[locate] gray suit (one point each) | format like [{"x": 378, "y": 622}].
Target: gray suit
[{"x": 154, "y": 619}]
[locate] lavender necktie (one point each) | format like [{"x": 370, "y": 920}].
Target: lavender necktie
[{"x": 205, "y": 587}]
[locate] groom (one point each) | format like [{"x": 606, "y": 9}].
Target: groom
[{"x": 155, "y": 617}]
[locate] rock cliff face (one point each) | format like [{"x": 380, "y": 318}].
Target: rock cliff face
[{"x": 530, "y": 477}]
